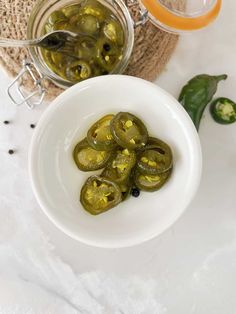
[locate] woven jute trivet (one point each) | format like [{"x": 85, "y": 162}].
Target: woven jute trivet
[{"x": 152, "y": 49}]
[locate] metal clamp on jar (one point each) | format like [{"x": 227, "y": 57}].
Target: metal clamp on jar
[{"x": 105, "y": 21}]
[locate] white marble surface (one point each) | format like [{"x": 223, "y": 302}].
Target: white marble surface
[{"x": 191, "y": 268}]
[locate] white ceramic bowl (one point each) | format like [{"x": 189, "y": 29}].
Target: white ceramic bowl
[{"x": 57, "y": 182}]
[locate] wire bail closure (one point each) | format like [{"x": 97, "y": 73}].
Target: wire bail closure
[
  {"x": 36, "y": 97},
  {"x": 18, "y": 93},
  {"x": 143, "y": 13},
  {"x": 143, "y": 18}
]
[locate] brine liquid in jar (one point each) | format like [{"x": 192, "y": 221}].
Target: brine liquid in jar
[{"x": 99, "y": 47}]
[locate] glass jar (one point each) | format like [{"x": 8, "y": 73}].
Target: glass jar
[
  {"x": 175, "y": 16},
  {"x": 42, "y": 11}
]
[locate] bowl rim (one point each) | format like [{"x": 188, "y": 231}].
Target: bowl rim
[{"x": 190, "y": 130}]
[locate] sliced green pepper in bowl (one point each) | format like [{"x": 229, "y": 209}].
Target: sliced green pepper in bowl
[
  {"x": 129, "y": 131},
  {"x": 99, "y": 136},
  {"x": 89, "y": 159},
  {"x": 99, "y": 194},
  {"x": 119, "y": 168},
  {"x": 131, "y": 161},
  {"x": 150, "y": 182},
  {"x": 155, "y": 158}
]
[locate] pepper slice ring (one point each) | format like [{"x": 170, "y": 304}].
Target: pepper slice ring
[
  {"x": 129, "y": 131},
  {"x": 150, "y": 182},
  {"x": 99, "y": 135},
  {"x": 119, "y": 168},
  {"x": 89, "y": 159},
  {"x": 223, "y": 110},
  {"x": 156, "y": 157},
  {"x": 99, "y": 195}
]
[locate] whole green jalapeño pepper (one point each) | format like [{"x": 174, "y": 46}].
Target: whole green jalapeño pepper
[
  {"x": 223, "y": 110},
  {"x": 89, "y": 159},
  {"x": 197, "y": 93},
  {"x": 99, "y": 194}
]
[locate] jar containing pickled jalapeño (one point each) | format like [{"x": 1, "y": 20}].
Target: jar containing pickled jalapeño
[{"x": 106, "y": 36}]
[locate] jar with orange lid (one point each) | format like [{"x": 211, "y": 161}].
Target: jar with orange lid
[{"x": 112, "y": 56}]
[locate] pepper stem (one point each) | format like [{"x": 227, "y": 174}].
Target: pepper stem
[{"x": 221, "y": 77}]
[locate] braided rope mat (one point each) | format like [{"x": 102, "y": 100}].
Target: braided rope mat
[{"x": 152, "y": 49}]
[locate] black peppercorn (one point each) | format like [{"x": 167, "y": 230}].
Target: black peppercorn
[
  {"x": 32, "y": 126},
  {"x": 106, "y": 47},
  {"x": 6, "y": 122},
  {"x": 11, "y": 151},
  {"x": 135, "y": 192}
]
